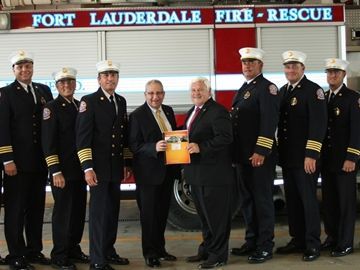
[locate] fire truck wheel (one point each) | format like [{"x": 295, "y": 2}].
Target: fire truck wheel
[{"x": 182, "y": 213}]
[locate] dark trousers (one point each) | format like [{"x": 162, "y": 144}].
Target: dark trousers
[
  {"x": 302, "y": 207},
  {"x": 339, "y": 206},
  {"x": 104, "y": 209},
  {"x": 154, "y": 202},
  {"x": 24, "y": 196},
  {"x": 256, "y": 191},
  {"x": 213, "y": 206},
  {"x": 68, "y": 218}
]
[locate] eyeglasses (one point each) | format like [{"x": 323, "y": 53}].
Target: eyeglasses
[{"x": 155, "y": 93}]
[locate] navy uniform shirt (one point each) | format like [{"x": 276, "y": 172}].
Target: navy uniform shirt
[
  {"x": 342, "y": 141},
  {"x": 58, "y": 138},
  {"x": 302, "y": 124},
  {"x": 255, "y": 115},
  {"x": 20, "y": 123},
  {"x": 101, "y": 136}
]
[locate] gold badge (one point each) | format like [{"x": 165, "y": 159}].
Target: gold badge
[
  {"x": 337, "y": 111},
  {"x": 65, "y": 70},
  {"x": 293, "y": 101},
  {"x": 247, "y": 95}
]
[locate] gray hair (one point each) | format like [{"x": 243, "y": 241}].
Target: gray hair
[
  {"x": 202, "y": 80},
  {"x": 154, "y": 82}
]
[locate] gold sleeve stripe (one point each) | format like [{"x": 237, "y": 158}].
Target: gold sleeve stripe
[
  {"x": 6, "y": 149},
  {"x": 85, "y": 154},
  {"x": 261, "y": 138},
  {"x": 313, "y": 145},
  {"x": 264, "y": 145},
  {"x": 265, "y": 142},
  {"x": 52, "y": 160},
  {"x": 127, "y": 153},
  {"x": 353, "y": 151}
]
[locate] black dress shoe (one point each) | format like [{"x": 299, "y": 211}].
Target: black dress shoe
[
  {"x": 63, "y": 264},
  {"x": 311, "y": 254},
  {"x": 20, "y": 264},
  {"x": 97, "y": 266},
  {"x": 290, "y": 247},
  {"x": 210, "y": 265},
  {"x": 259, "y": 256},
  {"x": 196, "y": 258},
  {"x": 80, "y": 257},
  {"x": 167, "y": 257},
  {"x": 328, "y": 244},
  {"x": 152, "y": 262},
  {"x": 339, "y": 252},
  {"x": 38, "y": 258},
  {"x": 116, "y": 259},
  {"x": 244, "y": 250}
]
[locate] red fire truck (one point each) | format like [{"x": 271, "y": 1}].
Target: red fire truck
[{"x": 174, "y": 45}]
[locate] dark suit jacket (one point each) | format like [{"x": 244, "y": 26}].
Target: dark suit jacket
[
  {"x": 212, "y": 131},
  {"x": 58, "y": 138},
  {"x": 302, "y": 123},
  {"x": 148, "y": 165},
  {"x": 342, "y": 141},
  {"x": 20, "y": 122},
  {"x": 101, "y": 137}
]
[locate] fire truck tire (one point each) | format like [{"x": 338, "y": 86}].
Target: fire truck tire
[{"x": 182, "y": 213}]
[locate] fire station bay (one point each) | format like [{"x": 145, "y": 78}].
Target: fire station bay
[{"x": 176, "y": 45}]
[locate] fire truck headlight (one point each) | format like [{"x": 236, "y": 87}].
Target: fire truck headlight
[{"x": 4, "y": 21}]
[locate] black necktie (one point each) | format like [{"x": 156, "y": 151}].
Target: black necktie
[
  {"x": 331, "y": 97},
  {"x": 288, "y": 91},
  {"x": 29, "y": 92},
  {"x": 113, "y": 107}
]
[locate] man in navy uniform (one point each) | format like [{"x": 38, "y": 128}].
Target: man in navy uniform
[
  {"x": 340, "y": 153},
  {"x": 210, "y": 174},
  {"x": 101, "y": 135},
  {"x": 302, "y": 127},
  {"x": 67, "y": 179},
  {"x": 21, "y": 105},
  {"x": 2, "y": 260},
  {"x": 154, "y": 179},
  {"x": 255, "y": 117}
]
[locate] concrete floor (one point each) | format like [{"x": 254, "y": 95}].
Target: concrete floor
[{"x": 183, "y": 244}]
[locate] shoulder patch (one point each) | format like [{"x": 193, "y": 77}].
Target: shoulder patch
[
  {"x": 320, "y": 94},
  {"x": 273, "y": 89},
  {"x": 82, "y": 107},
  {"x": 46, "y": 113}
]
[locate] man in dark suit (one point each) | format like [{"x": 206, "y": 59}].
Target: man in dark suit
[
  {"x": 210, "y": 174},
  {"x": 340, "y": 153},
  {"x": 301, "y": 130},
  {"x": 255, "y": 117},
  {"x": 67, "y": 179},
  {"x": 154, "y": 179},
  {"x": 21, "y": 105},
  {"x": 101, "y": 136}
]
